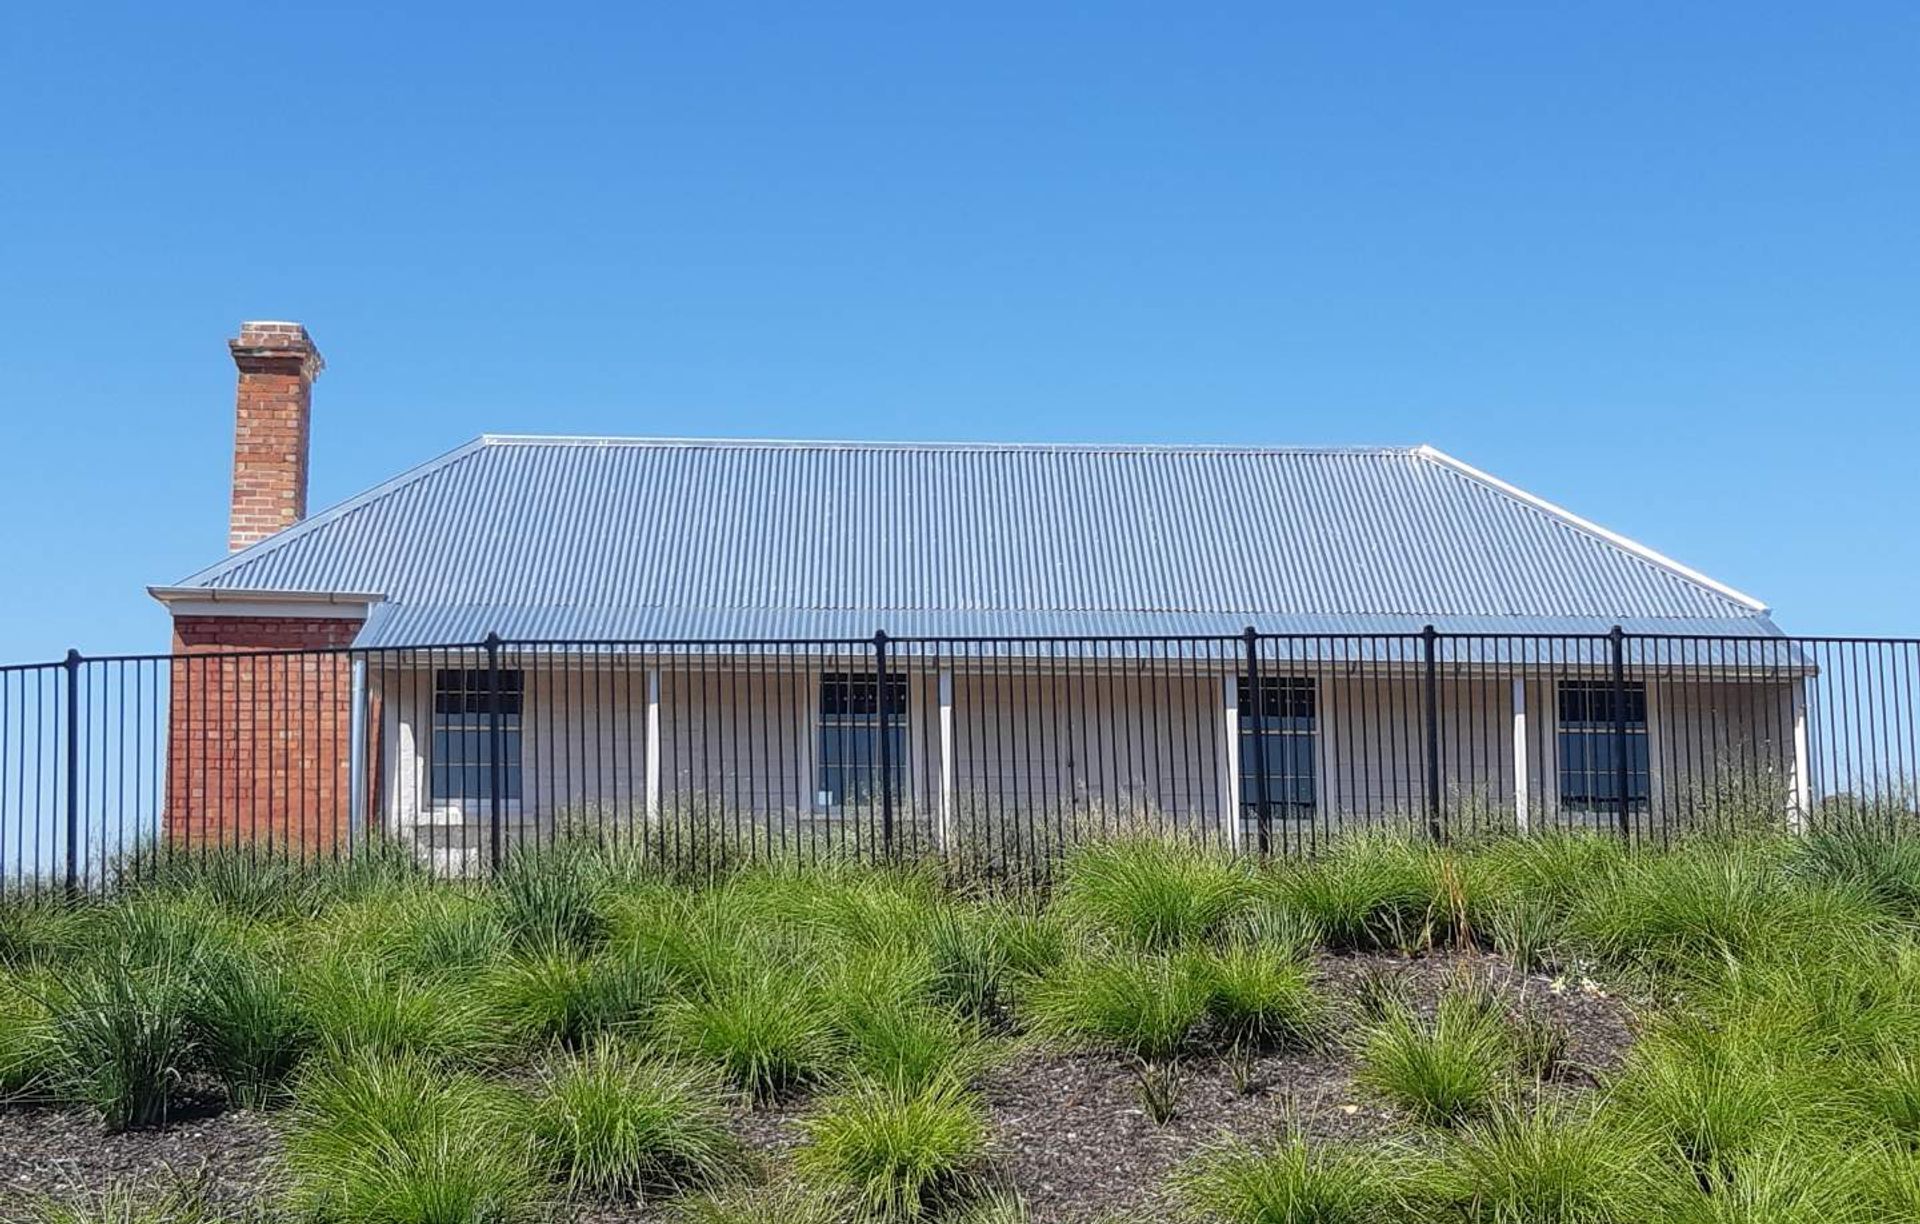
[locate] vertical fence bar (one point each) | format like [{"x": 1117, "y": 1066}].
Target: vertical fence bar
[
  {"x": 1616, "y": 645},
  {"x": 1430, "y": 694},
  {"x": 73, "y": 773},
  {"x": 496, "y": 749},
  {"x": 886, "y": 740},
  {"x": 1256, "y": 743}
]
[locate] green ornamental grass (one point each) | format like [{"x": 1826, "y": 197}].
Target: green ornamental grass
[
  {"x": 557, "y": 994},
  {"x": 896, "y": 1155},
  {"x": 611, "y": 1120},
  {"x": 1143, "y": 1004},
  {"x": 1259, "y": 997},
  {"x": 123, "y": 1039},
  {"x": 1553, "y": 1164},
  {"x": 360, "y": 1008},
  {"x": 1369, "y": 892},
  {"x": 1289, "y": 1182},
  {"x": 248, "y": 1023},
  {"x": 766, "y": 1028},
  {"x": 27, "y": 1036},
  {"x": 1445, "y": 1069},
  {"x": 396, "y": 1139},
  {"x": 1157, "y": 893}
]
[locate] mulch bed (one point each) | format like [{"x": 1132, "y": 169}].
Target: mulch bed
[
  {"x": 62, "y": 1154},
  {"x": 1071, "y": 1135}
]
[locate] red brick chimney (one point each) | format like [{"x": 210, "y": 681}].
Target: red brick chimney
[{"x": 278, "y": 363}]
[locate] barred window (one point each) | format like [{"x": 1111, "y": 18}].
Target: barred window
[
  {"x": 461, "y": 757},
  {"x": 851, "y": 728},
  {"x": 1276, "y": 738},
  {"x": 1589, "y": 745}
]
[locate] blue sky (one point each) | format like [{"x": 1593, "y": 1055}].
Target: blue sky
[{"x": 1659, "y": 263}]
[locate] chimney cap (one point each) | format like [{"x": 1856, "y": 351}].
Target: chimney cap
[{"x": 271, "y": 345}]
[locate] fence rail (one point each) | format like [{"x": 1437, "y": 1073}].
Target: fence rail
[{"x": 993, "y": 752}]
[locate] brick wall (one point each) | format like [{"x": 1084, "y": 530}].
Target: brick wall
[{"x": 258, "y": 745}]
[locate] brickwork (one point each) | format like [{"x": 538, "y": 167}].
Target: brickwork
[
  {"x": 259, "y": 745},
  {"x": 272, "y": 424}
]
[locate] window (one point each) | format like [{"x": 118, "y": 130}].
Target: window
[
  {"x": 1277, "y": 739},
  {"x": 460, "y": 766},
  {"x": 850, "y": 731},
  {"x": 1589, "y": 766}
]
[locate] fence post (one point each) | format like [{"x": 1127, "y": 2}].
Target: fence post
[
  {"x": 73, "y": 774},
  {"x": 1430, "y": 701},
  {"x": 886, "y": 740},
  {"x": 495, "y": 748},
  {"x": 1263, "y": 812},
  {"x": 1616, "y": 641}
]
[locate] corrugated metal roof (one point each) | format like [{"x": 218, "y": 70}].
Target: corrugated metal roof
[{"x": 615, "y": 538}]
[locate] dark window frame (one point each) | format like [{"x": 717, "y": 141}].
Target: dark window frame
[
  {"x": 846, "y": 751},
  {"x": 460, "y": 741},
  {"x": 1288, "y": 723},
  {"x": 1587, "y": 773}
]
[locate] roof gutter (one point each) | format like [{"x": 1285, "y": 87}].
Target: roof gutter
[{"x": 227, "y": 601}]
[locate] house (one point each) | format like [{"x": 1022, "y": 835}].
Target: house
[{"x": 937, "y": 639}]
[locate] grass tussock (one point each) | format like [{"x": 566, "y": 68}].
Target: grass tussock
[
  {"x": 896, "y": 1155},
  {"x": 619, "y": 1122},
  {"x": 397, "y": 1139},
  {"x": 1290, "y": 1182},
  {"x": 1444, "y": 1069}
]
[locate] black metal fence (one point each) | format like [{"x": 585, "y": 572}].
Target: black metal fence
[{"x": 992, "y": 752}]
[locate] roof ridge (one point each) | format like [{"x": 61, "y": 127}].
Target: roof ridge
[{"x": 492, "y": 439}]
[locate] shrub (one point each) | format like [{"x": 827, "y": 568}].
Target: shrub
[
  {"x": 1260, "y": 998},
  {"x": 898, "y": 1155},
  {"x": 612, "y": 1121},
  {"x": 1716, "y": 1093},
  {"x": 176, "y": 1203},
  {"x": 122, "y": 1039},
  {"x": 1552, "y": 1165},
  {"x": 1138, "y": 1003},
  {"x": 399, "y": 1140},
  {"x": 1371, "y": 891},
  {"x": 1157, "y": 893},
  {"x": 764, "y": 1027},
  {"x": 981, "y": 954},
  {"x": 1442, "y": 1071},
  {"x": 553, "y": 897},
  {"x": 361, "y": 1008},
  {"x": 1288, "y": 1182},
  {"x": 27, "y": 1036},
  {"x": 1695, "y": 911},
  {"x": 783, "y": 1202},
  {"x": 248, "y": 1023},
  {"x": 555, "y": 994}
]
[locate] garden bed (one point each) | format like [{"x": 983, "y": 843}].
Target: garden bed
[
  {"x": 1552, "y": 1028},
  {"x": 1069, "y": 1134}
]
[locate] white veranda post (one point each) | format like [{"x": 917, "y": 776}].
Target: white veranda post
[
  {"x": 1521, "y": 817},
  {"x": 1230, "y": 755}
]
